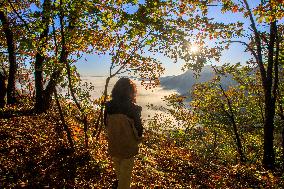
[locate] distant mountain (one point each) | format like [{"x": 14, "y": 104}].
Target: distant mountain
[{"x": 184, "y": 82}]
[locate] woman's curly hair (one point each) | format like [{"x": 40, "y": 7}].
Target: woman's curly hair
[{"x": 124, "y": 90}]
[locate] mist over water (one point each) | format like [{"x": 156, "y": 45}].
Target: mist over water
[{"x": 144, "y": 97}]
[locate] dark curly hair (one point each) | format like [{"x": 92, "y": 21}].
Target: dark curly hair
[{"x": 124, "y": 90}]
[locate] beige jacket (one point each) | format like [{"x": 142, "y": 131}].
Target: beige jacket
[{"x": 122, "y": 136}]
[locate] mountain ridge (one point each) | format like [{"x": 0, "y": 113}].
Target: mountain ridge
[{"x": 184, "y": 82}]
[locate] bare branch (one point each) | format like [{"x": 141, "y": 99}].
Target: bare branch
[{"x": 116, "y": 56}]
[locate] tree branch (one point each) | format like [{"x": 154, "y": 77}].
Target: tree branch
[
  {"x": 40, "y": 56},
  {"x": 258, "y": 45},
  {"x": 248, "y": 47},
  {"x": 131, "y": 54},
  {"x": 25, "y": 23}
]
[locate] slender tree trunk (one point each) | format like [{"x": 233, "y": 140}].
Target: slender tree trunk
[
  {"x": 65, "y": 126},
  {"x": 2, "y": 89},
  {"x": 40, "y": 105},
  {"x": 64, "y": 60},
  {"x": 238, "y": 142},
  {"x": 11, "y": 87},
  {"x": 234, "y": 124},
  {"x": 100, "y": 119}
]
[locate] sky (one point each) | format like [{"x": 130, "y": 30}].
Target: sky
[{"x": 99, "y": 64}]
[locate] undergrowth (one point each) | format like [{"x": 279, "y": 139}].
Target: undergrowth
[{"x": 34, "y": 156}]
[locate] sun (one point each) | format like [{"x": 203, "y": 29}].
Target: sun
[{"x": 194, "y": 48}]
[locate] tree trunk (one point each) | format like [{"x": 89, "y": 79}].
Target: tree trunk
[
  {"x": 50, "y": 88},
  {"x": 234, "y": 124},
  {"x": 281, "y": 114},
  {"x": 2, "y": 89},
  {"x": 270, "y": 97},
  {"x": 40, "y": 105},
  {"x": 283, "y": 143},
  {"x": 39, "y": 82},
  {"x": 267, "y": 77},
  {"x": 11, "y": 87},
  {"x": 65, "y": 126},
  {"x": 269, "y": 154},
  {"x": 239, "y": 143}
]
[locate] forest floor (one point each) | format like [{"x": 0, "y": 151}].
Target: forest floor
[{"x": 33, "y": 156}]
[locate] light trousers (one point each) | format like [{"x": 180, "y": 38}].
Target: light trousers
[{"x": 123, "y": 169}]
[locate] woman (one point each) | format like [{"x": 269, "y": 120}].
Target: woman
[{"x": 124, "y": 130}]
